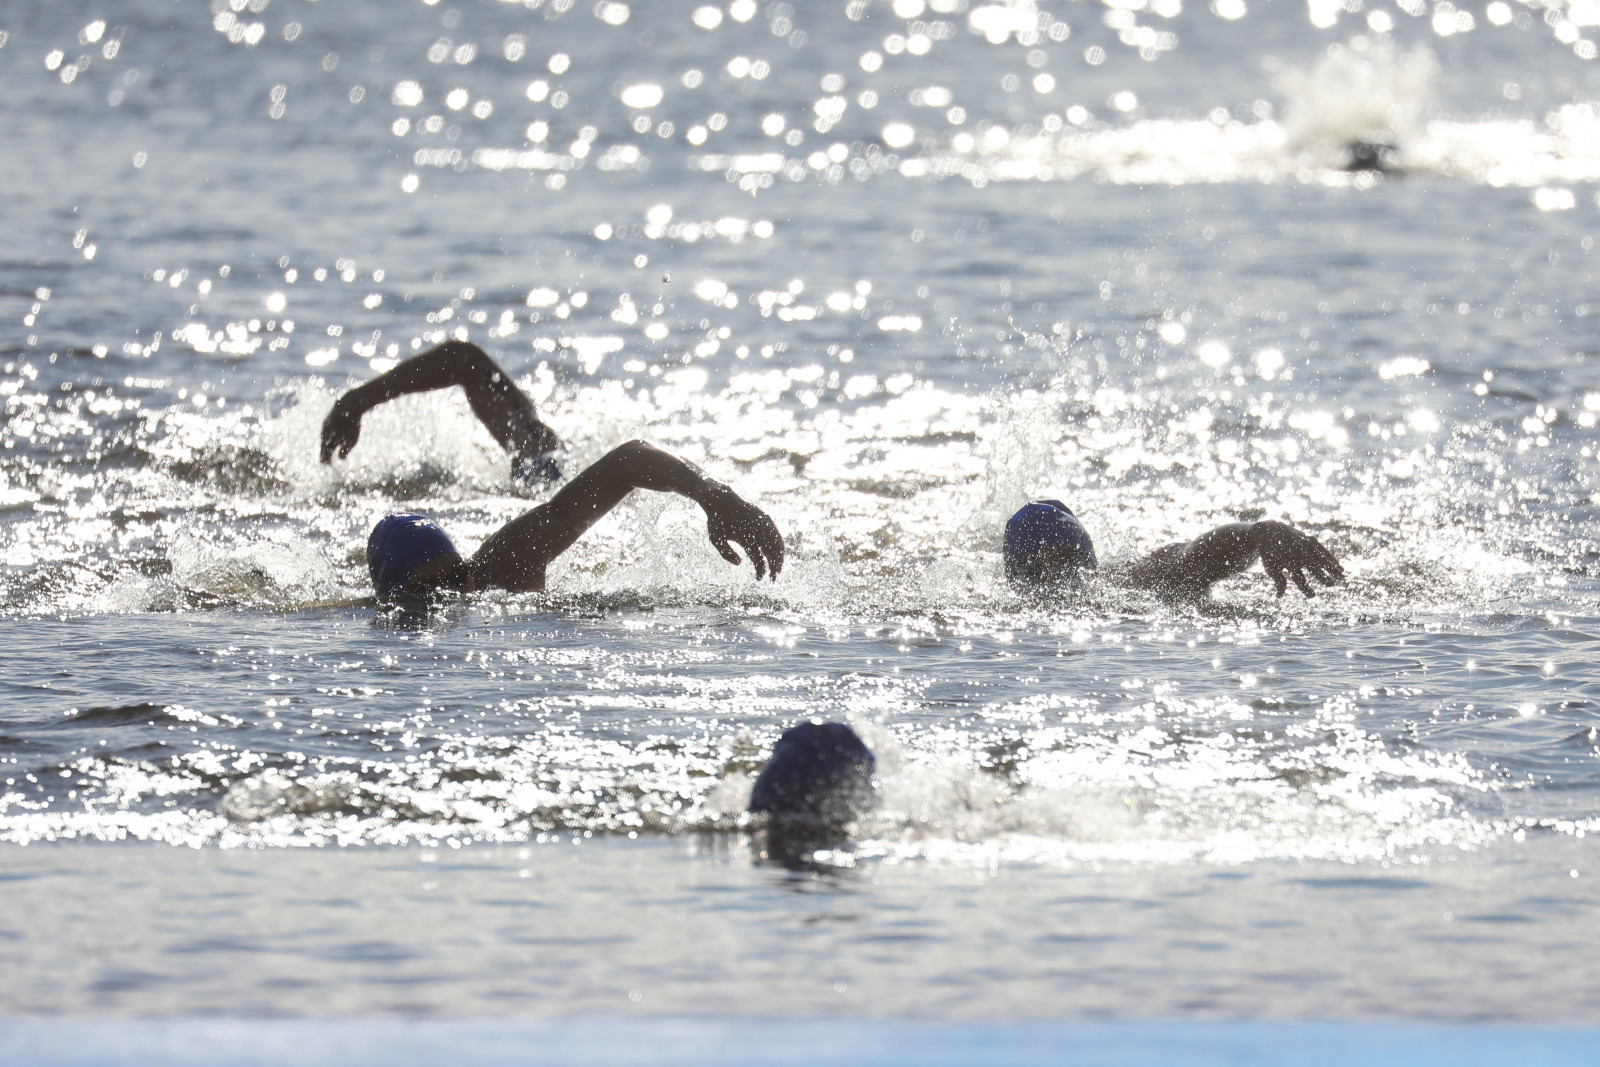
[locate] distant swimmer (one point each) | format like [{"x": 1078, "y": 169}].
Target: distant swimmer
[
  {"x": 1379, "y": 156},
  {"x": 410, "y": 557},
  {"x": 1047, "y": 548}
]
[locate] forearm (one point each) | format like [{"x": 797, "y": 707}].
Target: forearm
[
  {"x": 533, "y": 539},
  {"x": 627, "y": 467},
  {"x": 1196, "y": 565},
  {"x": 450, "y": 364},
  {"x": 495, "y": 400},
  {"x": 638, "y": 465}
]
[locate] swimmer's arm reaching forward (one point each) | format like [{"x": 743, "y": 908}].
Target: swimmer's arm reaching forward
[
  {"x": 1190, "y": 568},
  {"x": 516, "y": 555},
  {"x": 495, "y": 399}
]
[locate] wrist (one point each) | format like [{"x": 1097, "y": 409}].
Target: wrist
[
  {"x": 710, "y": 493},
  {"x": 358, "y": 401}
]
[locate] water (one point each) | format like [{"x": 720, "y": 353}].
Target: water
[{"x": 1121, "y": 263}]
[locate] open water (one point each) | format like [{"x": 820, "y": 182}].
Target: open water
[{"x": 889, "y": 270}]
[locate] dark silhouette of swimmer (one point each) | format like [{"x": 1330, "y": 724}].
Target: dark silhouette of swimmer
[
  {"x": 502, "y": 408},
  {"x": 411, "y": 557},
  {"x": 820, "y": 774},
  {"x": 817, "y": 784},
  {"x": 1047, "y": 548},
  {"x": 1377, "y": 156}
]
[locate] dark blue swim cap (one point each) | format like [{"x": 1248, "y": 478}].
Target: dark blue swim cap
[
  {"x": 398, "y": 545},
  {"x": 1041, "y": 525},
  {"x": 819, "y": 772}
]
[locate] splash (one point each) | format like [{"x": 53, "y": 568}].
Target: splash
[{"x": 1365, "y": 93}]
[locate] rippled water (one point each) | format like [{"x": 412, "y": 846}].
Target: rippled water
[{"x": 889, "y": 270}]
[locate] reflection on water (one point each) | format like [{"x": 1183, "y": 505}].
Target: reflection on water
[
  {"x": 890, "y": 269},
  {"x": 993, "y": 745}
]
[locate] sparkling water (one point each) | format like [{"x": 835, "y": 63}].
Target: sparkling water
[{"x": 889, "y": 270}]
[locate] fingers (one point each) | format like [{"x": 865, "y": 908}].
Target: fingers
[
  {"x": 1308, "y": 551},
  {"x": 1299, "y": 576},
  {"x": 338, "y": 436},
  {"x": 752, "y": 549},
  {"x": 1291, "y": 555},
  {"x": 331, "y": 445},
  {"x": 1324, "y": 566},
  {"x": 754, "y": 532},
  {"x": 774, "y": 552},
  {"x": 1282, "y": 570},
  {"x": 1309, "y": 555},
  {"x": 725, "y": 550},
  {"x": 759, "y": 549},
  {"x": 771, "y": 544}
]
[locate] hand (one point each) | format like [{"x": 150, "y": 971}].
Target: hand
[
  {"x": 1287, "y": 553},
  {"x": 541, "y": 468},
  {"x": 341, "y": 429},
  {"x": 533, "y": 447},
  {"x": 729, "y": 517}
]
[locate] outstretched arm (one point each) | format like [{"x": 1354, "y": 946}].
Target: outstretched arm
[
  {"x": 516, "y": 555},
  {"x": 495, "y": 399},
  {"x": 1190, "y": 568}
]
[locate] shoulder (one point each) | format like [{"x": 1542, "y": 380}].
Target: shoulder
[{"x": 508, "y": 563}]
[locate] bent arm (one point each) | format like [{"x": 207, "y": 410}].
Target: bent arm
[
  {"x": 495, "y": 400},
  {"x": 516, "y": 555},
  {"x": 1190, "y": 568}
]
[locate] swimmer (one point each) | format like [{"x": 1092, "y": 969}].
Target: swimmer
[
  {"x": 495, "y": 399},
  {"x": 410, "y": 557},
  {"x": 1047, "y": 549},
  {"x": 817, "y": 785},
  {"x": 820, "y": 775}
]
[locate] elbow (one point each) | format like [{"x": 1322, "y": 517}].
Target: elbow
[
  {"x": 476, "y": 358},
  {"x": 627, "y": 456},
  {"x": 474, "y": 361},
  {"x": 634, "y": 449}
]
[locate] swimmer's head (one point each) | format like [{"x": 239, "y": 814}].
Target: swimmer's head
[
  {"x": 411, "y": 556},
  {"x": 1046, "y": 544},
  {"x": 820, "y": 773}
]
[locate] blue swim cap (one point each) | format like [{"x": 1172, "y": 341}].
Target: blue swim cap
[
  {"x": 1041, "y": 525},
  {"x": 819, "y": 772},
  {"x": 398, "y": 545}
]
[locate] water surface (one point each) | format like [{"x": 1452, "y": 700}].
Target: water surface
[{"x": 890, "y": 271}]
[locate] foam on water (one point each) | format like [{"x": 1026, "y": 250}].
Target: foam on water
[
  {"x": 1057, "y": 780},
  {"x": 892, "y": 510},
  {"x": 890, "y": 270}
]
